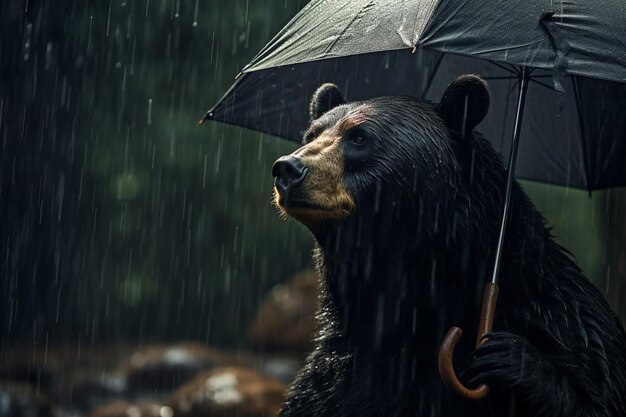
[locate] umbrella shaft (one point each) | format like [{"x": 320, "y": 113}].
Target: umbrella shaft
[{"x": 523, "y": 85}]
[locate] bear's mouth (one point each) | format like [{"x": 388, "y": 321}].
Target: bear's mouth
[
  {"x": 301, "y": 208},
  {"x": 293, "y": 201}
]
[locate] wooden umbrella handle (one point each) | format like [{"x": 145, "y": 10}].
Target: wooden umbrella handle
[{"x": 446, "y": 351}]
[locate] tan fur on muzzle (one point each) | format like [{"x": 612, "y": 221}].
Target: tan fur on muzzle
[{"x": 323, "y": 187}]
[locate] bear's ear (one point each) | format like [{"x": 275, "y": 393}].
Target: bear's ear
[
  {"x": 325, "y": 98},
  {"x": 465, "y": 103}
]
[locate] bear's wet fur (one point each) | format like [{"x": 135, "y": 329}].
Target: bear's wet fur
[{"x": 409, "y": 258}]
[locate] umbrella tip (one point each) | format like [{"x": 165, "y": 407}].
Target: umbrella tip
[
  {"x": 414, "y": 49},
  {"x": 238, "y": 76},
  {"x": 204, "y": 118}
]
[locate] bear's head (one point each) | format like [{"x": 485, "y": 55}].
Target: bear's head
[{"x": 385, "y": 163}]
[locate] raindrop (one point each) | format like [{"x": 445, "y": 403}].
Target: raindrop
[
  {"x": 380, "y": 311},
  {"x": 27, "y": 36},
  {"x": 195, "y": 16},
  {"x": 433, "y": 283},
  {"x": 149, "y": 111},
  {"x": 48, "y": 55},
  {"x": 204, "y": 172},
  {"x": 108, "y": 21},
  {"x": 89, "y": 35}
]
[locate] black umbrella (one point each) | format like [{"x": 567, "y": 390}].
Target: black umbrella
[{"x": 563, "y": 63}]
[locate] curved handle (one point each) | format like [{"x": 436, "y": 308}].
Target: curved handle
[
  {"x": 446, "y": 351},
  {"x": 446, "y": 368}
]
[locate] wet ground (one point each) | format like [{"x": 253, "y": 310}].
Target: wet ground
[{"x": 166, "y": 379}]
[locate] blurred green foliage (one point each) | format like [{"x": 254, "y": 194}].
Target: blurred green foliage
[
  {"x": 593, "y": 228},
  {"x": 574, "y": 218},
  {"x": 167, "y": 226},
  {"x": 185, "y": 242}
]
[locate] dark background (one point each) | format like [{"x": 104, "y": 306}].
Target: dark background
[{"x": 123, "y": 220}]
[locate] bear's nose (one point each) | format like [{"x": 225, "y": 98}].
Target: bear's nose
[{"x": 289, "y": 171}]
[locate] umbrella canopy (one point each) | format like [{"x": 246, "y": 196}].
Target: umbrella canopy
[{"x": 574, "y": 126}]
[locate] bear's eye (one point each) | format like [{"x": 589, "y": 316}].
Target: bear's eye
[{"x": 359, "y": 140}]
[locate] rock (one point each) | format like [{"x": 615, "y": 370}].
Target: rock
[
  {"x": 22, "y": 400},
  {"x": 86, "y": 391},
  {"x": 125, "y": 409},
  {"x": 88, "y": 376},
  {"x": 229, "y": 392},
  {"x": 283, "y": 368},
  {"x": 286, "y": 319},
  {"x": 163, "y": 367},
  {"x": 25, "y": 365},
  {"x": 68, "y": 372}
]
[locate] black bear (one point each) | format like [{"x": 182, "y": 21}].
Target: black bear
[{"x": 404, "y": 200}]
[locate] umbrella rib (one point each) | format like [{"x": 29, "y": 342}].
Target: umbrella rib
[
  {"x": 512, "y": 77},
  {"x": 513, "y": 88},
  {"x": 345, "y": 29},
  {"x": 504, "y": 68},
  {"x": 542, "y": 84},
  {"x": 504, "y": 77}
]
